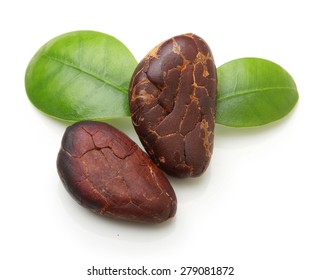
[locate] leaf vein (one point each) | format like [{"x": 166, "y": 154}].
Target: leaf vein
[
  {"x": 241, "y": 93},
  {"x": 59, "y": 60}
]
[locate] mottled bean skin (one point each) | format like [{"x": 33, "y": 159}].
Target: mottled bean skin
[
  {"x": 172, "y": 100},
  {"x": 105, "y": 171}
]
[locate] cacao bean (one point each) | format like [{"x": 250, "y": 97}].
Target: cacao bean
[
  {"x": 172, "y": 99},
  {"x": 106, "y": 172}
]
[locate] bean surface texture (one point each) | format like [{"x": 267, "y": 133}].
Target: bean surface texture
[
  {"x": 105, "y": 171},
  {"x": 172, "y": 100}
]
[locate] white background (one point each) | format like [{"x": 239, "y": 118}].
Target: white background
[{"x": 257, "y": 208}]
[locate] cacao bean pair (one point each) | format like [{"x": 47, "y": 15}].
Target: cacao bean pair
[{"x": 172, "y": 99}]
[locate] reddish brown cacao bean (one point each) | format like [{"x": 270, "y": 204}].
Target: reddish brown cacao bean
[
  {"x": 172, "y": 100},
  {"x": 105, "y": 171}
]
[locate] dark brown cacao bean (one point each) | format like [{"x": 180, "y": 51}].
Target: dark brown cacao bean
[
  {"x": 105, "y": 171},
  {"x": 172, "y": 100}
]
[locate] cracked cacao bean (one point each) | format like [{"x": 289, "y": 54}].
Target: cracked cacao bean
[
  {"x": 106, "y": 172},
  {"x": 172, "y": 99}
]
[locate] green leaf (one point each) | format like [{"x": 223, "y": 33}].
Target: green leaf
[
  {"x": 81, "y": 75},
  {"x": 253, "y": 92}
]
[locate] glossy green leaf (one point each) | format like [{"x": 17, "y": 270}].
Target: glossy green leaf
[
  {"x": 253, "y": 92},
  {"x": 81, "y": 75}
]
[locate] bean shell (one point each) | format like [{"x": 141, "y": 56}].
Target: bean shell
[
  {"x": 172, "y": 100},
  {"x": 106, "y": 172}
]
